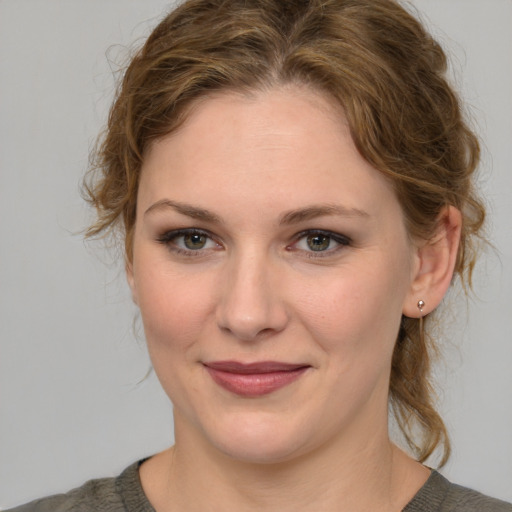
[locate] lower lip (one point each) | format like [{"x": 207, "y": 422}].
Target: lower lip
[{"x": 255, "y": 384}]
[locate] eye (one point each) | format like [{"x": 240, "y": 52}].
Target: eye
[
  {"x": 320, "y": 242},
  {"x": 188, "y": 241},
  {"x": 194, "y": 241}
]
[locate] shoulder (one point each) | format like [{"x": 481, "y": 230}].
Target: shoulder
[
  {"x": 463, "y": 499},
  {"x": 95, "y": 494},
  {"x": 121, "y": 494},
  {"x": 440, "y": 495}
]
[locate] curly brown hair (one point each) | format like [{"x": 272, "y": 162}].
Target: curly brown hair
[{"x": 377, "y": 62}]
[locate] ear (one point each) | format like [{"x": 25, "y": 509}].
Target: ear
[
  {"x": 434, "y": 263},
  {"x": 128, "y": 266}
]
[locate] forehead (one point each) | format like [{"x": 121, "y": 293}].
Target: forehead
[{"x": 288, "y": 145}]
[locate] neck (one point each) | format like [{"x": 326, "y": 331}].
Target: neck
[{"x": 354, "y": 477}]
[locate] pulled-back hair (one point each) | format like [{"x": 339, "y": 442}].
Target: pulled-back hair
[{"x": 377, "y": 62}]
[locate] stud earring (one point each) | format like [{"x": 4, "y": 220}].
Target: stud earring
[{"x": 421, "y": 305}]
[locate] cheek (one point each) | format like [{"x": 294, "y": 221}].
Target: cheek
[
  {"x": 354, "y": 310},
  {"x": 174, "y": 307},
  {"x": 174, "y": 312}
]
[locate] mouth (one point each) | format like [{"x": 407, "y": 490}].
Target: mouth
[{"x": 254, "y": 379}]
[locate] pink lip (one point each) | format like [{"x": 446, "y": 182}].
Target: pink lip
[{"x": 254, "y": 379}]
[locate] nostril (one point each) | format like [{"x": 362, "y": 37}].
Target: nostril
[{"x": 253, "y": 327}]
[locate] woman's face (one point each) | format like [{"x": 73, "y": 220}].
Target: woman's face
[{"x": 271, "y": 266}]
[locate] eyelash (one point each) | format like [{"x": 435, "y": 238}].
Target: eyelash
[
  {"x": 168, "y": 239},
  {"x": 342, "y": 241}
]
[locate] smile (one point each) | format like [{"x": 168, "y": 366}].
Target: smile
[{"x": 254, "y": 379}]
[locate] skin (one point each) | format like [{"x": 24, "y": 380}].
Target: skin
[{"x": 256, "y": 175}]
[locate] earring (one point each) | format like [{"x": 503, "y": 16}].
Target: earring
[{"x": 421, "y": 305}]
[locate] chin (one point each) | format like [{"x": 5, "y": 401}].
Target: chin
[
  {"x": 260, "y": 452},
  {"x": 260, "y": 440}
]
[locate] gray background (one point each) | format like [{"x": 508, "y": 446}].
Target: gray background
[{"x": 72, "y": 404}]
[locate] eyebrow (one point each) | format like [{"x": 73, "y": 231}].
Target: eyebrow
[
  {"x": 185, "y": 209},
  {"x": 288, "y": 218},
  {"x": 321, "y": 210}
]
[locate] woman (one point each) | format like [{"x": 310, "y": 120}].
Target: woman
[{"x": 294, "y": 185}]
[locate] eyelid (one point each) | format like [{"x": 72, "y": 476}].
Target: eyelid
[{"x": 338, "y": 237}]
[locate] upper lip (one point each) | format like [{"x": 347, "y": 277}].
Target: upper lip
[{"x": 253, "y": 368}]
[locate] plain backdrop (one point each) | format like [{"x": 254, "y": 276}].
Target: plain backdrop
[{"x": 74, "y": 403}]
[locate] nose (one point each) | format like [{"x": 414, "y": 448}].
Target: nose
[{"x": 251, "y": 305}]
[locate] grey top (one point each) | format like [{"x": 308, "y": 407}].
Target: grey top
[{"x": 125, "y": 494}]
